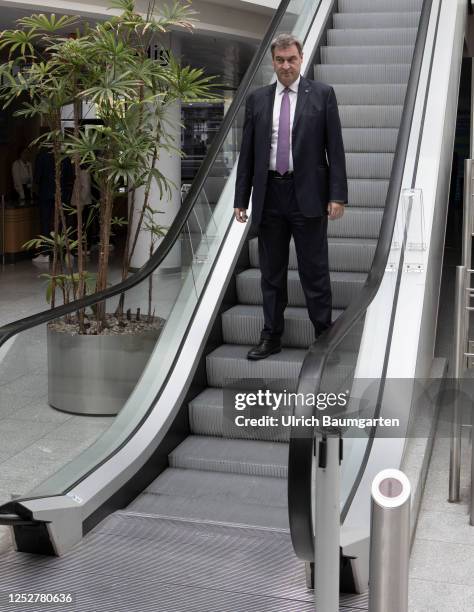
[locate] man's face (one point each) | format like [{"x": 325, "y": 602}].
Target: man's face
[{"x": 287, "y": 64}]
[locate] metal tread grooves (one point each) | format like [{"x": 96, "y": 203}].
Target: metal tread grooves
[
  {"x": 344, "y": 286},
  {"x": 356, "y": 6},
  {"x": 254, "y": 458},
  {"x": 371, "y": 19},
  {"x": 228, "y": 366},
  {"x": 155, "y": 564},
  {"x": 356, "y": 74},
  {"x": 364, "y": 54},
  {"x": 345, "y": 254},
  {"x": 371, "y": 36},
  {"x": 243, "y": 323}
]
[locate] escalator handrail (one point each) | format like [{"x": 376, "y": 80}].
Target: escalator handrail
[
  {"x": 13, "y": 520},
  {"x": 11, "y": 329},
  {"x": 302, "y": 438}
]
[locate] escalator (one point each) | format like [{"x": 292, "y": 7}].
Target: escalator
[{"x": 189, "y": 511}]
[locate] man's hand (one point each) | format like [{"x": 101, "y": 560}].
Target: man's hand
[
  {"x": 335, "y": 210},
  {"x": 241, "y": 214}
]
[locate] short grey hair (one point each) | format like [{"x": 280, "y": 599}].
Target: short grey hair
[{"x": 285, "y": 40}]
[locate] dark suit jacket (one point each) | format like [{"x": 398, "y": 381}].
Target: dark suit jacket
[{"x": 316, "y": 132}]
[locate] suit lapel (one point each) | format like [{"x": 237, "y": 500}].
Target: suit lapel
[
  {"x": 303, "y": 95},
  {"x": 268, "y": 113}
]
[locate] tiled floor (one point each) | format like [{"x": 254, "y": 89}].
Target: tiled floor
[
  {"x": 442, "y": 559},
  {"x": 35, "y": 439}
]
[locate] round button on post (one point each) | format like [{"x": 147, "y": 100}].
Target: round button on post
[{"x": 390, "y": 487}]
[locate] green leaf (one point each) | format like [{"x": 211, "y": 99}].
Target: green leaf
[{"x": 47, "y": 23}]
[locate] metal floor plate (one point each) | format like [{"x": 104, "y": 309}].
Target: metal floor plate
[{"x": 140, "y": 563}]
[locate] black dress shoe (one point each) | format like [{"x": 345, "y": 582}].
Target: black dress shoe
[{"x": 264, "y": 349}]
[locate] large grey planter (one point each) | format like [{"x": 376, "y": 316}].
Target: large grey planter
[{"x": 95, "y": 374}]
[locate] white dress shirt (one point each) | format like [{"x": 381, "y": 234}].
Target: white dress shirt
[
  {"x": 22, "y": 175},
  {"x": 276, "y": 120}
]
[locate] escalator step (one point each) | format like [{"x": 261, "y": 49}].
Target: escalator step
[
  {"x": 372, "y": 116},
  {"x": 371, "y": 36},
  {"x": 366, "y": 193},
  {"x": 254, "y": 458},
  {"x": 345, "y": 254},
  {"x": 362, "y": 74},
  {"x": 371, "y": 19},
  {"x": 206, "y": 417},
  {"x": 375, "y": 93},
  {"x": 242, "y": 324},
  {"x": 370, "y": 140},
  {"x": 369, "y": 165},
  {"x": 216, "y": 497},
  {"x": 359, "y": 6},
  {"x": 400, "y": 54},
  {"x": 228, "y": 364},
  {"x": 345, "y": 285}
]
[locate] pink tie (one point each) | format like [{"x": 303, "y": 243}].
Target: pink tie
[{"x": 283, "y": 147}]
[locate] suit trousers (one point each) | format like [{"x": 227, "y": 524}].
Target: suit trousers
[{"x": 281, "y": 219}]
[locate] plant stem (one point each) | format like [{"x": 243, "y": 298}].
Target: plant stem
[
  {"x": 55, "y": 123},
  {"x": 105, "y": 220},
  {"x": 125, "y": 260}
]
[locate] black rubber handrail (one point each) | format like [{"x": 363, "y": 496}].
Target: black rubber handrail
[
  {"x": 469, "y": 6},
  {"x": 300, "y": 460},
  {"x": 173, "y": 233}
]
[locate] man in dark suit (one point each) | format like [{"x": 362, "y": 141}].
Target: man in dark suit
[{"x": 292, "y": 155}]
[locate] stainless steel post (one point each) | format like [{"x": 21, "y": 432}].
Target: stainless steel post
[
  {"x": 327, "y": 524},
  {"x": 389, "y": 542},
  {"x": 458, "y": 368},
  {"x": 467, "y": 214}
]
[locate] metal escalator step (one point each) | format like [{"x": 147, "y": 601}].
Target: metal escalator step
[
  {"x": 254, "y": 458},
  {"x": 351, "y": 254},
  {"x": 367, "y": 193},
  {"x": 216, "y": 496},
  {"x": 345, "y": 285},
  {"x": 370, "y": 116},
  {"x": 370, "y": 140},
  {"x": 379, "y": 6},
  {"x": 228, "y": 363},
  {"x": 367, "y": 54},
  {"x": 242, "y": 324},
  {"x": 206, "y": 417},
  {"x": 362, "y": 74},
  {"x": 371, "y": 36},
  {"x": 345, "y": 254},
  {"x": 357, "y": 223},
  {"x": 369, "y": 165},
  {"x": 371, "y": 19},
  {"x": 377, "y": 94},
  {"x": 206, "y": 412}
]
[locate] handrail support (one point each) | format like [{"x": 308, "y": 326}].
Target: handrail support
[{"x": 327, "y": 522}]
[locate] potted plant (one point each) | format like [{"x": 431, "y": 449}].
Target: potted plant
[{"x": 107, "y": 66}]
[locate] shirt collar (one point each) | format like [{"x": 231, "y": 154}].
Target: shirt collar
[{"x": 293, "y": 87}]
